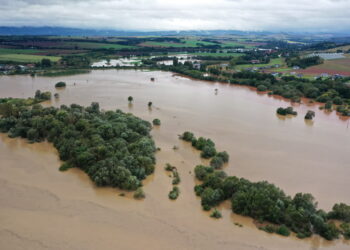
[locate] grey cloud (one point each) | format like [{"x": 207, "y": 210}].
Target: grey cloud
[{"x": 180, "y": 14}]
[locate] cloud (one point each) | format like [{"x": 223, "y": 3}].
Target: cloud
[{"x": 276, "y": 15}]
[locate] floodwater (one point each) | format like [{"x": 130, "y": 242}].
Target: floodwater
[{"x": 43, "y": 208}]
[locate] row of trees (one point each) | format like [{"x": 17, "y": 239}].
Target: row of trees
[
  {"x": 113, "y": 148},
  {"x": 208, "y": 149},
  {"x": 336, "y": 91},
  {"x": 267, "y": 203}
]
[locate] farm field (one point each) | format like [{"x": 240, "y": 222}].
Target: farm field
[
  {"x": 187, "y": 43},
  {"x": 331, "y": 67},
  {"x": 25, "y": 58},
  {"x": 216, "y": 54},
  {"x": 271, "y": 63}
]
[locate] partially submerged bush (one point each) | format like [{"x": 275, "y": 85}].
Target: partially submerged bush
[{"x": 60, "y": 85}]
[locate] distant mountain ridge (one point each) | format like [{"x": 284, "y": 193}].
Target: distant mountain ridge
[{"x": 63, "y": 31}]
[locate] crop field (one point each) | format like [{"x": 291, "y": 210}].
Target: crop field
[
  {"x": 186, "y": 43},
  {"x": 271, "y": 63},
  {"x": 4, "y": 51},
  {"x": 344, "y": 48},
  {"x": 25, "y": 58},
  {"x": 217, "y": 54},
  {"x": 332, "y": 67}
]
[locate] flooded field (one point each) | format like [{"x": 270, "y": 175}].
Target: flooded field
[{"x": 42, "y": 208}]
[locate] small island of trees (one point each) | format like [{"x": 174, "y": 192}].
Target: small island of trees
[
  {"x": 267, "y": 204},
  {"x": 115, "y": 149}
]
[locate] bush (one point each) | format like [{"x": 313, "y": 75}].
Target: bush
[
  {"x": 224, "y": 156},
  {"x": 174, "y": 193},
  {"x": 345, "y": 230},
  {"x": 65, "y": 166},
  {"x": 216, "y": 162},
  {"x": 202, "y": 171},
  {"x": 283, "y": 230},
  {"x": 309, "y": 115},
  {"x": 60, "y": 85},
  {"x": 156, "y": 122},
  {"x": 340, "y": 211},
  {"x": 261, "y": 87},
  {"x": 139, "y": 194},
  {"x": 268, "y": 228},
  {"x": 216, "y": 214},
  {"x": 328, "y": 105},
  {"x": 187, "y": 136},
  {"x": 208, "y": 152},
  {"x": 286, "y": 111}
]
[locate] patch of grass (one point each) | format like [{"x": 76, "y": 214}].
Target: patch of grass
[
  {"x": 24, "y": 58},
  {"x": 5, "y": 51},
  {"x": 216, "y": 54},
  {"x": 271, "y": 63}
]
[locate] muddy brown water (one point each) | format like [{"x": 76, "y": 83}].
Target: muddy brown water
[{"x": 42, "y": 208}]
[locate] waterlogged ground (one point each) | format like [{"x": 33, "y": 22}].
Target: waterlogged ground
[{"x": 42, "y": 208}]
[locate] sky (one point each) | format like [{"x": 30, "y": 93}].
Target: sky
[{"x": 154, "y": 15}]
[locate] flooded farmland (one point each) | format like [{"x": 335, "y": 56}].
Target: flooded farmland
[{"x": 42, "y": 208}]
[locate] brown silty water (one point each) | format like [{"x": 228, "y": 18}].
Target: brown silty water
[{"x": 42, "y": 208}]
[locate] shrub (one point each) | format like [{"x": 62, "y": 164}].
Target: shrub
[
  {"x": 216, "y": 162},
  {"x": 216, "y": 214},
  {"x": 156, "y": 122},
  {"x": 283, "y": 230},
  {"x": 174, "y": 193},
  {"x": 60, "y": 85},
  {"x": 261, "y": 87},
  {"x": 286, "y": 111},
  {"x": 202, "y": 171},
  {"x": 310, "y": 115},
  {"x": 139, "y": 194}
]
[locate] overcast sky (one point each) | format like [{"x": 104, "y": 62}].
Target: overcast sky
[{"x": 273, "y": 15}]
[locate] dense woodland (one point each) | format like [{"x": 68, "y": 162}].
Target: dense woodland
[
  {"x": 113, "y": 148},
  {"x": 267, "y": 203}
]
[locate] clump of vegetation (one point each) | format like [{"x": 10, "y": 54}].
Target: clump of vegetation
[
  {"x": 262, "y": 88},
  {"x": 56, "y": 95},
  {"x": 139, "y": 193},
  {"x": 174, "y": 193},
  {"x": 130, "y": 99},
  {"x": 283, "y": 230},
  {"x": 207, "y": 147},
  {"x": 42, "y": 96},
  {"x": 216, "y": 214},
  {"x": 345, "y": 230},
  {"x": 176, "y": 176},
  {"x": 60, "y": 85},
  {"x": 340, "y": 211},
  {"x": 286, "y": 111},
  {"x": 309, "y": 115},
  {"x": 219, "y": 160},
  {"x": 328, "y": 105},
  {"x": 266, "y": 202},
  {"x": 156, "y": 122},
  {"x": 344, "y": 110},
  {"x": 150, "y": 104},
  {"x": 115, "y": 149}
]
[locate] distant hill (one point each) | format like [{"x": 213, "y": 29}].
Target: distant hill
[{"x": 62, "y": 31}]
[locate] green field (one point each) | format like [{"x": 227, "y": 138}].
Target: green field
[
  {"x": 24, "y": 58},
  {"x": 216, "y": 54},
  {"x": 271, "y": 63},
  {"x": 4, "y": 51},
  {"x": 91, "y": 45},
  {"x": 187, "y": 43}
]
